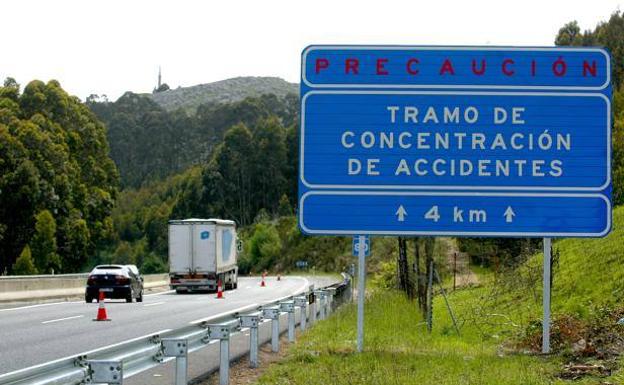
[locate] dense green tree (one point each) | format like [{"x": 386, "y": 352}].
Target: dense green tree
[
  {"x": 53, "y": 157},
  {"x": 264, "y": 247},
  {"x": 24, "y": 264},
  {"x": 43, "y": 243},
  {"x": 285, "y": 208},
  {"x": 228, "y": 177},
  {"x": 149, "y": 143},
  {"x": 609, "y": 34}
]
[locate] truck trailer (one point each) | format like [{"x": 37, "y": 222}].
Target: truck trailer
[{"x": 201, "y": 253}]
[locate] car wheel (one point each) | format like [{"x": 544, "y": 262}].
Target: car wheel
[
  {"x": 88, "y": 299},
  {"x": 129, "y": 297},
  {"x": 140, "y": 297}
]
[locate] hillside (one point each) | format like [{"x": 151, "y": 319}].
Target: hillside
[
  {"x": 224, "y": 91},
  {"x": 149, "y": 143}
]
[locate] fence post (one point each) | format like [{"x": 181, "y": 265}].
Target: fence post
[
  {"x": 106, "y": 372},
  {"x": 178, "y": 348},
  {"x": 222, "y": 332},
  {"x": 273, "y": 313}
]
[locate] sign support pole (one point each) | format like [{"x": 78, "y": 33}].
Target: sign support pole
[
  {"x": 546, "y": 297},
  {"x": 361, "y": 292}
]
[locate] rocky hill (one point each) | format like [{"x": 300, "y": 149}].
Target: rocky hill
[{"x": 224, "y": 91}]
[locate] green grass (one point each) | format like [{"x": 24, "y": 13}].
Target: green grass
[{"x": 398, "y": 350}]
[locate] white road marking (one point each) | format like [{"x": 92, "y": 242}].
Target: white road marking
[
  {"x": 302, "y": 289},
  {"x": 66, "y": 302},
  {"x": 62, "y": 319},
  {"x": 247, "y": 287},
  {"x": 153, "y": 304},
  {"x": 34, "y": 306},
  {"x": 240, "y": 309}
]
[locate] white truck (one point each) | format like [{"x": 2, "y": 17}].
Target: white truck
[{"x": 202, "y": 252}]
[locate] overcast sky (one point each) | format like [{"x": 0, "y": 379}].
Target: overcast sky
[{"x": 109, "y": 47}]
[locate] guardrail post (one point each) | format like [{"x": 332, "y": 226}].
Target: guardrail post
[
  {"x": 289, "y": 307},
  {"x": 252, "y": 321},
  {"x": 106, "y": 372},
  {"x": 222, "y": 332},
  {"x": 273, "y": 314},
  {"x": 178, "y": 348},
  {"x": 331, "y": 295},
  {"x": 302, "y": 303},
  {"x": 322, "y": 299}
]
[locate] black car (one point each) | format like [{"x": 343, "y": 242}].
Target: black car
[{"x": 115, "y": 281}]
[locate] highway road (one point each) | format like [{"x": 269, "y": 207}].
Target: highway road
[{"x": 35, "y": 334}]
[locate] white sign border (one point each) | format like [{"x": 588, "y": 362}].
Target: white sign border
[
  {"x": 443, "y": 187},
  {"x": 454, "y": 233}
]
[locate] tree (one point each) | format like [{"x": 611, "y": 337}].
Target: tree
[
  {"x": 264, "y": 246},
  {"x": 77, "y": 243},
  {"x": 24, "y": 264},
  {"x": 43, "y": 243},
  {"x": 569, "y": 34},
  {"x": 284, "y": 209},
  {"x": 53, "y": 157},
  {"x": 609, "y": 34}
]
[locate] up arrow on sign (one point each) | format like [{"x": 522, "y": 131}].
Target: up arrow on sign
[
  {"x": 509, "y": 214},
  {"x": 401, "y": 213}
]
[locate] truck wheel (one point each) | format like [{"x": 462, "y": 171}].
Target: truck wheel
[
  {"x": 180, "y": 291},
  {"x": 140, "y": 297}
]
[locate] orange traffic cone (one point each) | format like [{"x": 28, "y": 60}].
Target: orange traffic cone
[
  {"x": 262, "y": 284},
  {"x": 101, "y": 314},
  {"x": 219, "y": 290}
]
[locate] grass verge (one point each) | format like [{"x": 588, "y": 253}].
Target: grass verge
[{"x": 398, "y": 350}]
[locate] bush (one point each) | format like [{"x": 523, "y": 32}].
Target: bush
[
  {"x": 24, "y": 265},
  {"x": 264, "y": 246},
  {"x": 153, "y": 265}
]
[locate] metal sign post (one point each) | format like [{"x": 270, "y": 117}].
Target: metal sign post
[
  {"x": 546, "y": 297},
  {"x": 361, "y": 291}
]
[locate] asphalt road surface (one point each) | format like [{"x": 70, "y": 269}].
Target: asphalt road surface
[{"x": 34, "y": 334}]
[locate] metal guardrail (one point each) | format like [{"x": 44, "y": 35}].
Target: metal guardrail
[
  {"x": 43, "y": 276},
  {"x": 114, "y": 363}
]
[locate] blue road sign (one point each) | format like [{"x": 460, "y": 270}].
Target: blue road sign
[
  {"x": 356, "y": 246},
  {"x": 526, "y": 68},
  {"x": 455, "y": 214},
  {"x": 387, "y": 132},
  {"x": 457, "y": 141}
]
